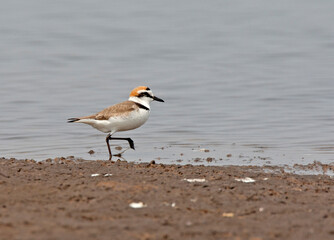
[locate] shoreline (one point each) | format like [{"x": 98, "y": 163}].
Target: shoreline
[{"x": 65, "y": 198}]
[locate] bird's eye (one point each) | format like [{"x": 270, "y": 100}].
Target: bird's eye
[{"x": 144, "y": 94}]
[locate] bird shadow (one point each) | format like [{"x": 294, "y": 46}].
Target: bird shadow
[{"x": 120, "y": 154}]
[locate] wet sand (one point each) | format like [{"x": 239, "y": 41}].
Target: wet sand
[{"x": 61, "y": 199}]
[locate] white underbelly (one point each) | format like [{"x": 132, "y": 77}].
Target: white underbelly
[
  {"x": 119, "y": 123},
  {"x": 129, "y": 122}
]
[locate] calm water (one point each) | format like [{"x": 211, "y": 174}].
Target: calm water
[{"x": 254, "y": 79}]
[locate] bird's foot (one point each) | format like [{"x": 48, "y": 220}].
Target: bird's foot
[{"x": 131, "y": 143}]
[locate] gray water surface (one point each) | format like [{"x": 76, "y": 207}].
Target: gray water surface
[{"x": 249, "y": 78}]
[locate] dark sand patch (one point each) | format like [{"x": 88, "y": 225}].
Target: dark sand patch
[{"x": 60, "y": 199}]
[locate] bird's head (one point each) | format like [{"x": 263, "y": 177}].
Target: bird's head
[{"x": 143, "y": 95}]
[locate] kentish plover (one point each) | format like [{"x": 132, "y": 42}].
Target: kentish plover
[{"x": 123, "y": 116}]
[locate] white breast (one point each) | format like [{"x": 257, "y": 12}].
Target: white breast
[{"x": 129, "y": 121}]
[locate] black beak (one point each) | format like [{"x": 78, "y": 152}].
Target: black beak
[{"x": 158, "y": 99}]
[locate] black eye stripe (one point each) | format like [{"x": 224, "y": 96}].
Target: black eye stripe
[{"x": 144, "y": 94}]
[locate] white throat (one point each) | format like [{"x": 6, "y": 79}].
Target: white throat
[{"x": 140, "y": 101}]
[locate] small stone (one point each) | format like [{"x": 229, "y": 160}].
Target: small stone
[{"x": 228, "y": 214}]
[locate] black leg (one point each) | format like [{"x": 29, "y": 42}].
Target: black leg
[
  {"x": 107, "y": 140},
  {"x": 131, "y": 143}
]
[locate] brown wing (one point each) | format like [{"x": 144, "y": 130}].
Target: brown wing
[{"x": 115, "y": 110}]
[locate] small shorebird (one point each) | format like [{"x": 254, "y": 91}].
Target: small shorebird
[{"x": 123, "y": 116}]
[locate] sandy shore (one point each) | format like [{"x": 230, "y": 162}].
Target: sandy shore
[{"x": 61, "y": 199}]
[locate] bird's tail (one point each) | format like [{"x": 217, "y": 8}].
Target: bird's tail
[{"x": 70, "y": 120}]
